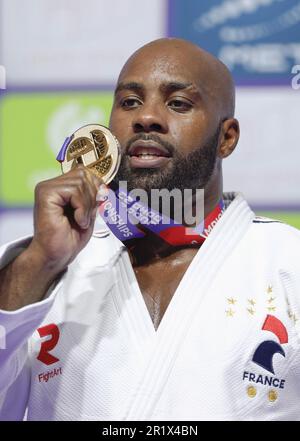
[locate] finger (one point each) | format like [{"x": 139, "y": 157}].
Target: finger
[
  {"x": 93, "y": 179},
  {"x": 81, "y": 213},
  {"x": 102, "y": 193},
  {"x": 89, "y": 192},
  {"x": 89, "y": 184},
  {"x": 77, "y": 188},
  {"x": 80, "y": 202},
  {"x": 92, "y": 184}
]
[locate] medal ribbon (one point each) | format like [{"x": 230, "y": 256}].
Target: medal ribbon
[{"x": 123, "y": 214}]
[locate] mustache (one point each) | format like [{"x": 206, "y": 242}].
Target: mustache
[{"x": 151, "y": 137}]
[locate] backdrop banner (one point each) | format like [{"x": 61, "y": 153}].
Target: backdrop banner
[{"x": 259, "y": 40}]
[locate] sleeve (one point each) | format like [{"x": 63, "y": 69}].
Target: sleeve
[{"x": 16, "y": 328}]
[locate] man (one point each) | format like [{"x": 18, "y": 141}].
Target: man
[{"x": 96, "y": 331}]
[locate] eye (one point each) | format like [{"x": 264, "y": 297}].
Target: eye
[
  {"x": 180, "y": 105},
  {"x": 130, "y": 103}
]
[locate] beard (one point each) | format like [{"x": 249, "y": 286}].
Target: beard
[{"x": 192, "y": 171}]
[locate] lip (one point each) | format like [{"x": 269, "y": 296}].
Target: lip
[
  {"x": 139, "y": 162},
  {"x": 159, "y": 154},
  {"x": 151, "y": 147}
]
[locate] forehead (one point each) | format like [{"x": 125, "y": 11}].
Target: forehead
[{"x": 156, "y": 65}]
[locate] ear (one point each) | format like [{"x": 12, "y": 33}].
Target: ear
[{"x": 230, "y": 133}]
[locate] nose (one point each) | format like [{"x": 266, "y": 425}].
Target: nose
[{"x": 150, "y": 118}]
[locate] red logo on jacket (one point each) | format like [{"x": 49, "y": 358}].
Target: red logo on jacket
[{"x": 48, "y": 345}]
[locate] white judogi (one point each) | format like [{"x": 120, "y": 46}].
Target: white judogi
[{"x": 106, "y": 361}]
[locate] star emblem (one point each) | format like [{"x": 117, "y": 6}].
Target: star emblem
[
  {"x": 231, "y": 301},
  {"x": 295, "y": 318},
  {"x": 292, "y": 316},
  {"x": 252, "y": 302},
  {"x": 251, "y": 311},
  {"x": 272, "y": 308},
  {"x": 271, "y": 299},
  {"x": 229, "y": 312},
  {"x": 270, "y": 289}
]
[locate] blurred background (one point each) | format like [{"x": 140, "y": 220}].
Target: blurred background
[{"x": 60, "y": 60}]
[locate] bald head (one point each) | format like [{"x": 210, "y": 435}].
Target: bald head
[
  {"x": 174, "y": 95},
  {"x": 210, "y": 74}
]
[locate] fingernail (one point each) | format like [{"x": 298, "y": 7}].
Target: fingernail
[
  {"x": 85, "y": 224},
  {"x": 102, "y": 193}
]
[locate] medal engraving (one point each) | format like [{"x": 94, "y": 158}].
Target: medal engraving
[{"x": 95, "y": 147}]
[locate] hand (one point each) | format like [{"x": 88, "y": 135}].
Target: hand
[{"x": 64, "y": 215}]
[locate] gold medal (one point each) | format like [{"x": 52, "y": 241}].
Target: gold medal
[{"x": 95, "y": 147}]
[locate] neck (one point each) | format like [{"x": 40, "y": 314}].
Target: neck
[
  {"x": 213, "y": 191},
  {"x": 152, "y": 248}
]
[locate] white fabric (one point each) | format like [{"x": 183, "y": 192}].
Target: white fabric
[{"x": 113, "y": 365}]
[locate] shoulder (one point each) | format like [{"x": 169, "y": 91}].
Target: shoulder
[
  {"x": 277, "y": 236},
  {"x": 270, "y": 225}
]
